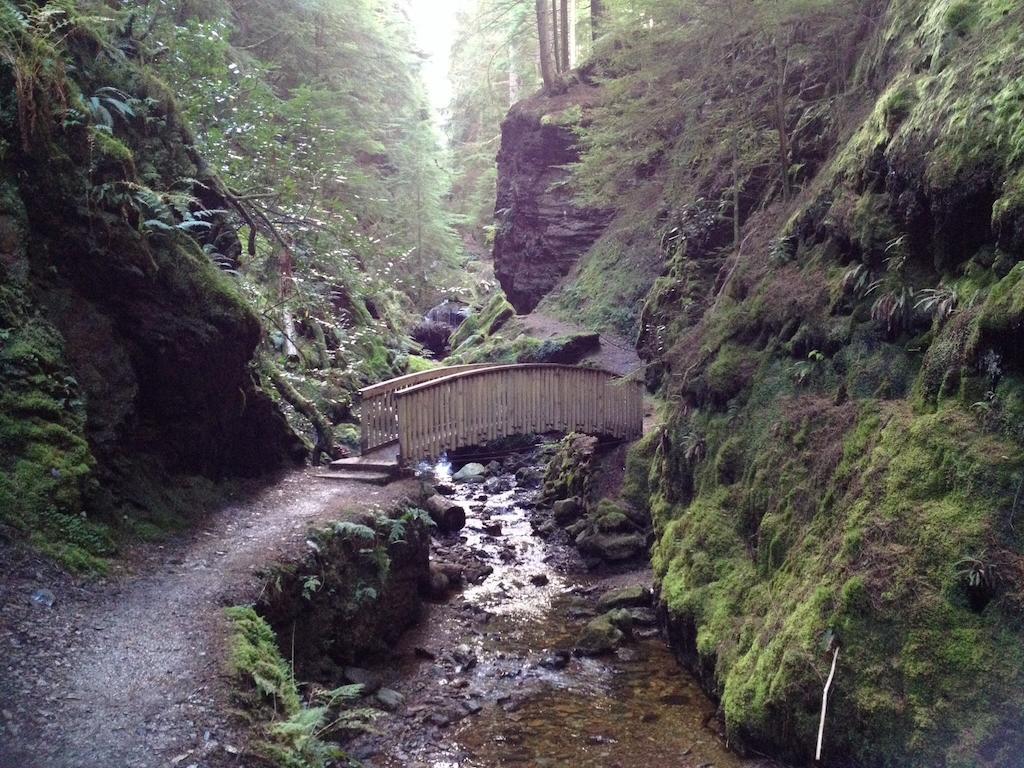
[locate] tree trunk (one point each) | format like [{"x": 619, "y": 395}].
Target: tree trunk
[
  {"x": 284, "y": 263},
  {"x": 322, "y": 353},
  {"x": 547, "y": 61},
  {"x": 598, "y": 13},
  {"x": 565, "y": 28},
  {"x": 556, "y": 37},
  {"x": 514, "y": 85},
  {"x": 322, "y": 427}
]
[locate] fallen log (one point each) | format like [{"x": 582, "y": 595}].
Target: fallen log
[{"x": 446, "y": 514}]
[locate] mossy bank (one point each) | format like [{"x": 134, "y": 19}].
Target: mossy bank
[{"x": 842, "y": 459}]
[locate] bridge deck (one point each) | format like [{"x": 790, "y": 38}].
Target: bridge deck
[{"x": 423, "y": 415}]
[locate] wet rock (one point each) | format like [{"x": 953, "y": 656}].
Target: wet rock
[
  {"x": 613, "y": 522},
  {"x": 43, "y": 597},
  {"x": 557, "y": 660},
  {"x": 446, "y": 514},
  {"x": 370, "y": 680},
  {"x": 471, "y": 473},
  {"x": 438, "y": 584},
  {"x": 492, "y": 527},
  {"x": 539, "y": 579},
  {"x": 546, "y": 529},
  {"x": 628, "y": 654},
  {"x": 440, "y": 719},
  {"x": 498, "y": 484},
  {"x": 567, "y": 511},
  {"x": 529, "y": 477},
  {"x": 464, "y": 656},
  {"x": 478, "y": 572},
  {"x": 605, "y": 633},
  {"x": 611, "y": 547},
  {"x": 635, "y": 596},
  {"x": 423, "y": 653},
  {"x": 389, "y": 700},
  {"x": 644, "y": 617},
  {"x": 494, "y": 467},
  {"x": 445, "y": 489},
  {"x": 576, "y": 528},
  {"x": 453, "y": 571}
]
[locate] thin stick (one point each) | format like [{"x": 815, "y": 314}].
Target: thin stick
[{"x": 824, "y": 703}]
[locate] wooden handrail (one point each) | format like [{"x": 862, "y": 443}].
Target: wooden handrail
[
  {"x": 409, "y": 379},
  {"x": 378, "y": 414},
  {"x": 471, "y": 407}
]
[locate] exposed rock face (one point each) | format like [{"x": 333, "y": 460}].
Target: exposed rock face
[
  {"x": 541, "y": 232},
  {"x": 124, "y": 351}
]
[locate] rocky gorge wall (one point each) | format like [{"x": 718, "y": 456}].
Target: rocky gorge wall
[
  {"x": 541, "y": 232},
  {"x": 124, "y": 351},
  {"x": 841, "y": 463}
]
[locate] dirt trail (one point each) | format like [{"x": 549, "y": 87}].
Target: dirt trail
[
  {"x": 616, "y": 354},
  {"x": 129, "y": 673}
]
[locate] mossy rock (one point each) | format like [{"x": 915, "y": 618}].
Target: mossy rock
[
  {"x": 569, "y": 470},
  {"x": 605, "y": 633}
]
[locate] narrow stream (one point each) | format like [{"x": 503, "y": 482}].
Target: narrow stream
[{"x": 488, "y": 678}]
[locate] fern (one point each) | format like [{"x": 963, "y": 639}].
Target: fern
[
  {"x": 344, "y": 694},
  {"x": 354, "y": 531},
  {"x": 106, "y": 102},
  {"x": 298, "y": 744}
]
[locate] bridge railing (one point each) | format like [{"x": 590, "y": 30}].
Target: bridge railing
[
  {"x": 378, "y": 413},
  {"x": 477, "y": 406}
]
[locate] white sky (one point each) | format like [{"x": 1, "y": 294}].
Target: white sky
[{"x": 435, "y": 32}]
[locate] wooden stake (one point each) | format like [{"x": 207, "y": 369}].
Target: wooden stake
[{"x": 824, "y": 703}]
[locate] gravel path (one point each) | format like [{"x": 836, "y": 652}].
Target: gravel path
[{"x": 129, "y": 672}]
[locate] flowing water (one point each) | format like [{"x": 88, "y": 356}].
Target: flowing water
[{"x": 508, "y": 694}]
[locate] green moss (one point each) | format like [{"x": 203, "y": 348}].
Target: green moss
[
  {"x": 727, "y": 375},
  {"x": 256, "y": 662},
  {"x": 607, "y": 289},
  {"x": 570, "y": 469},
  {"x": 109, "y": 148},
  {"x": 46, "y": 465},
  {"x": 911, "y": 496},
  {"x": 636, "y": 487},
  {"x": 1002, "y": 314},
  {"x": 960, "y": 16},
  {"x": 486, "y": 322},
  {"x": 348, "y": 435},
  {"x": 417, "y": 364}
]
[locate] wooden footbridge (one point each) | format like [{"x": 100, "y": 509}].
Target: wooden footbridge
[{"x": 423, "y": 415}]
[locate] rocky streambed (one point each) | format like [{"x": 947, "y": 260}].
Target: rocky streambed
[{"x": 527, "y": 658}]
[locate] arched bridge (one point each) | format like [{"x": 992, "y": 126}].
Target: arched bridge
[{"x": 429, "y": 413}]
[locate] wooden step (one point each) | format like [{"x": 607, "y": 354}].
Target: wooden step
[
  {"x": 363, "y": 464},
  {"x": 374, "y": 478}
]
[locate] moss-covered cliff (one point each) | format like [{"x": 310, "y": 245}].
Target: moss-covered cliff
[
  {"x": 842, "y": 458},
  {"x": 124, "y": 351}
]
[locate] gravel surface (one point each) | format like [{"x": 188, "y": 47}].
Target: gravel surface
[{"x": 128, "y": 672}]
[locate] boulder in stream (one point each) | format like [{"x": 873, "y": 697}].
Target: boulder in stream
[
  {"x": 605, "y": 633},
  {"x": 634, "y": 596},
  {"x": 611, "y": 547},
  {"x": 568, "y": 511},
  {"x": 471, "y": 473}
]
